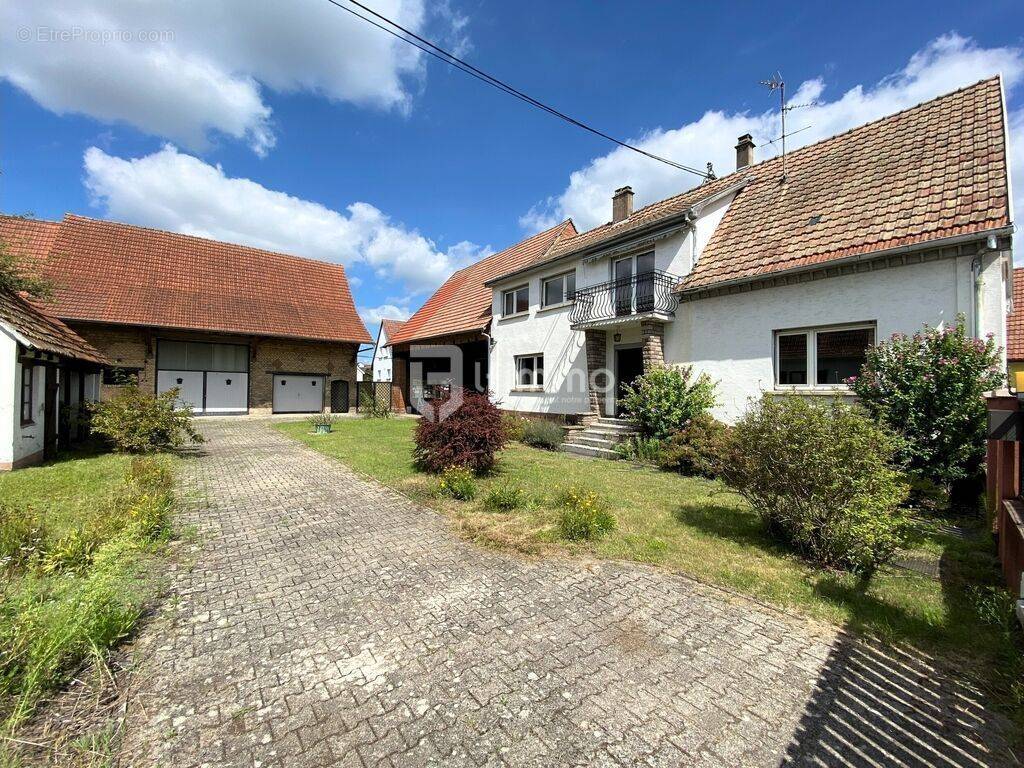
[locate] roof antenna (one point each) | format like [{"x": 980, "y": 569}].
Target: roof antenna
[{"x": 776, "y": 83}]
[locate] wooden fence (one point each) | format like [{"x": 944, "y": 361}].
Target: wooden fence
[{"x": 1003, "y": 470}]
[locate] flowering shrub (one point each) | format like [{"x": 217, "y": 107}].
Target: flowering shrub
[
  {"x": 584, "y": 515},
  {"x": 506, "y": 497},
  {"x": 928, "y": 387},
  {"x": 822, "y": 477},
  {"x": 457, "y": 482},
  {"x": 468, "y": 437},
  {"x": 663, "y": 400}
]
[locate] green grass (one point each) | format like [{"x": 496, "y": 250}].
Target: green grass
[
  {"x": 83, "y": 530},
  {"x": 700, "y": 528}
]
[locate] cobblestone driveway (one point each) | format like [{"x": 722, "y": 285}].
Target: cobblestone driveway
[{"x": 329, "y": 621}]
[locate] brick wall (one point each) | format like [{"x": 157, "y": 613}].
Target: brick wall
[{"x": 136, "y": 348}]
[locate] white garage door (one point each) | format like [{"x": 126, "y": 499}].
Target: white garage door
[
  {"x": 212, "y": 378},
  {"x": 298, "y": 393}
]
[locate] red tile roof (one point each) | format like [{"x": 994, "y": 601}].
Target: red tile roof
[
  {"x": 117, "y": 273},
  {"x": 41, "y": 330},
  {"x": 463, "y": 303},
  {"x": 1015, "y": 320},
  {"x": 933, "y": 171},
  {"x": 391, "y": 327}
]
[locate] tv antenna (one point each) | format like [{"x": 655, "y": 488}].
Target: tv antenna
[{"x": 776, "y": 83}]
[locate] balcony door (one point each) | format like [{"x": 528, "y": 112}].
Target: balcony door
[
  {"x": 645, "y": 282},
  {"x": 634, "y": 295},
  {"x": 623, "y": 277}
]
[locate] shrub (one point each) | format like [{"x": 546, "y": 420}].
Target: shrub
[
  {"x": 134, "y": 422},
  {"x": 701, "y": 448},
  {"x": 376, "y": 409},
  {"x": 822, "y": 476},
  {"x": 928, "y": 387},
  {"x": 506, "y": 497},
  {"x": 323, "y": 419},
  {"x": 584, "y": 515},
  {"x": 459, "y": 434},
  {"x": 457, "y": 482},
  {"x": 639, "y": 448},
  {"x": 541, "y": 433},
  {"x": 513, "y": 425},
  {"x": 663, "y": 400}
]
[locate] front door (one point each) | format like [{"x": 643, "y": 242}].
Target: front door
[{"x": 629, "y": 364}]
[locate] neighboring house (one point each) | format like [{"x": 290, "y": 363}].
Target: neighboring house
[
  {"x": 1015, "y": 333},
  {"x": 382, "y": 369},
  {"x": 47, "y": 373},
  {"x": 364, "y": 371},
  {"x": 776, "y": 277},
  {"x": 451, "y": 329},
  {"x": 235, "y": 329}
]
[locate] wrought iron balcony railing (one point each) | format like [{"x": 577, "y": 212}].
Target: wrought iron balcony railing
[{"x": 647, "y": 292}]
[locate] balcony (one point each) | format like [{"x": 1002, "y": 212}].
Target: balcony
[{"x": 646, "y": 294}]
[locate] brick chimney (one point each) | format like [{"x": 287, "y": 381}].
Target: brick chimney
[
  {"x": 744, "y": 151},
  {"x": 622, "y": 204}
]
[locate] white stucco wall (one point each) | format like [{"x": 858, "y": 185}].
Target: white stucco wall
[
  {"x": 731, "y": 337},
  {"x": 382, "y": 361},
  {"x": 546, "y": 331},
  {"x": 9, "y": 383}
]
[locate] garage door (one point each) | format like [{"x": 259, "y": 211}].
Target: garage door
[
  {"x": 298, "y": 393},
  {"x": 212, "y": 378}
]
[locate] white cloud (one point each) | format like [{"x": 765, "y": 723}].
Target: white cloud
[
  {"x": 373, "y": 315},
  {"x": 178, "y": 192},
  {"x": 187, "y": 68},
  {"x": 946, "y": 63}
]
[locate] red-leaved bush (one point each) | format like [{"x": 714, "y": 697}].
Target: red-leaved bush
[{"x": 467, "y": 436}]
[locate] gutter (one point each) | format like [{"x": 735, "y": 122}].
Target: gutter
[
  {"x": 684, "y": 218},
  {"x": 913, "y": 248}
]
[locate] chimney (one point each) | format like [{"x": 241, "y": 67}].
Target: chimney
[
  {"x": 622, "y": 204},
  {"x": 744, "y": 151}
]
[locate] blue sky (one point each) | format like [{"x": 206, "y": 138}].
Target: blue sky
[{"x": 295, "y": 127}]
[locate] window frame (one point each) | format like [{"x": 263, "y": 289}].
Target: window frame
[
  {"x": 28, "y": 384},
  {"x": 811, "y": 334},
  {"x": 567, "y": 297},
  {"x": 513, "y": 292},
  {"x": 538, "y": 368}
]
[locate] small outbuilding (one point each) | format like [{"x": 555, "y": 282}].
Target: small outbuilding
[{"x": 47, "y": 374}]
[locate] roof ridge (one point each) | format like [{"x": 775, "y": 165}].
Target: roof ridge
[
  {"x": 806, "y": 147},
  {"x": 167, "y": 232}
]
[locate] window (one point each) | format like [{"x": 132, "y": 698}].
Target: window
[
  {"x": 202, "y": 356},
  {"x": 27, "y": 382},
  {"x": 119, "y": 376},
  {"x": 529, "y": 371},
  {"x": 515, "y": 300},
  {"x": 821, "y": 357},
  {"x": 560, "y": 289}
]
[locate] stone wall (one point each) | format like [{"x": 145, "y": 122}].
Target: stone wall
[
  {"x": 597, "y": 360},
  {"x": 653, "y": 334},
  {"x": 134, "y": 347}
]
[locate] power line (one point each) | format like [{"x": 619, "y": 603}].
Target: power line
[{"x": 451, "y": 59}]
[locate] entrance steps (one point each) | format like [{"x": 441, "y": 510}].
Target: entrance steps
[{"x": 598, "y": 440}]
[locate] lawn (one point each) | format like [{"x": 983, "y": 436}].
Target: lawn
[
  {"x": 700, "y": 528},
  {"x": 76, "y": 537}
]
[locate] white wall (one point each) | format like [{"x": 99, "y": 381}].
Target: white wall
[
  {"x": 9, "y": 390},
  {"x": 731, "y": 337},
  {"x": 382, "y": 361},
  {"x": 539, "y": 331},
  {"x": 547, "y": 330}
]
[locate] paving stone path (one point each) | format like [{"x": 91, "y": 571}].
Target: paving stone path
[{"x": 328, "y": 621}]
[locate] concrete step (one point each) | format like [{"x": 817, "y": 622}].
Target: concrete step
[
  {"x": 594, "y": 440},
  {"x": 613, "y": 424},
  {"x": 589, "y": 451},
  {"x": 601, "y": 433}
]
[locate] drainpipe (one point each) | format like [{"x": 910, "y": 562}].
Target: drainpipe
[{"x": 976, "y": 297}]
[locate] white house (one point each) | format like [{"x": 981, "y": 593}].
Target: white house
[
  {"x": 47, "y": 372},
  {"x": 382, "y": 353},
  {"x": 774, "y": 278}
]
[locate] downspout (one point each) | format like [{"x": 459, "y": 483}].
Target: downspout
[{"x": 976, "y": 296}]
